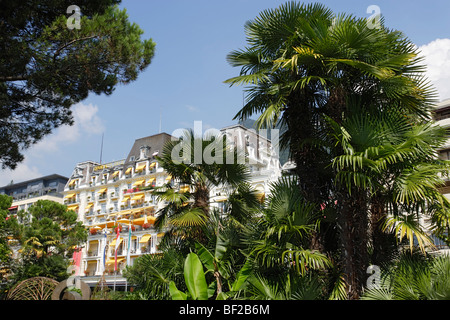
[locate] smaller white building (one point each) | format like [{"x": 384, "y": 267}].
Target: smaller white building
[{"x": 261, "y": 157}]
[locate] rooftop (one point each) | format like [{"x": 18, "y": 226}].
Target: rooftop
[
  {"x": 442, "y": 104},
  {"x": 24, "y": 183}
]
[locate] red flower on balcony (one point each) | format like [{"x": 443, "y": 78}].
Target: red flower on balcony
[{"x": 146, "y": 225}]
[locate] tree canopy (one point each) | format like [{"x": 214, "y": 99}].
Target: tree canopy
[
  {"x": 48, "y": 234},
  {"x": 45, "y": 67}
]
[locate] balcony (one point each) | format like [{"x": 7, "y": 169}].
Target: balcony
[
  {"x": 73, "y": 200},
  {"x": 132, "y": 190},
  {"x": 93, "y": 253}
]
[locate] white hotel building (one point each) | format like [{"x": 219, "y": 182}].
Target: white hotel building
[
  {"x": 441, "y": 115},
  {"x": 110, "y": 194}
]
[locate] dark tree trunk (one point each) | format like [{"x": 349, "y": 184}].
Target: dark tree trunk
[
  {"x": 201, "y": 198},
  {"x": 353, "y": 231},
  {"x": 201, "y": 201},
  {"x": 384, "y": 244}
]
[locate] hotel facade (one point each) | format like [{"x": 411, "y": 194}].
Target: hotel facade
[
  {"x": 117, "y": 194},
  {"x": 441, "y": 115}
]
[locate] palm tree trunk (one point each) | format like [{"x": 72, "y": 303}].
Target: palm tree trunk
[
  {"x": 302, "y": 120},
  {"x": 384, "y": 244},
  {"x": 353, "y": 227},
  {"x": 201, "y": 198}
]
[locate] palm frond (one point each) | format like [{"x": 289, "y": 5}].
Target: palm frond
[
  {"x": 189, "y": 217},
  {"x": 304, "y": 259},
  {"x": 408, "y": 226}
]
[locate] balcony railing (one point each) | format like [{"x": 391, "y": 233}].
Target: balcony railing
[
  {"x": 71, "y": 200},
  {"x": 92, "y": 253}
]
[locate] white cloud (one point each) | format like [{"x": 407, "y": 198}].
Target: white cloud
[
  {"x": 192, "y": 108},
  {"x": 437, "y": 59},
  {"x": 24, "y": 171},
  {"x": 86, "y": 118},
  {"x": 86, "y": 122}
]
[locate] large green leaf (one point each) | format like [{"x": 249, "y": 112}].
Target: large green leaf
[
  {"x": 175, "y": 293},
  {"x": 242, "y": 276},
  {"x": 195, "y": 278},
  {"x": 205, "y": 256}
]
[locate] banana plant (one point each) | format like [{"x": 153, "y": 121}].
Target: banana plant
[{"x": 195, "y": 279}]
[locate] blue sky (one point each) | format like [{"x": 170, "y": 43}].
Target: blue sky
[{"x": 184, "y": 82}]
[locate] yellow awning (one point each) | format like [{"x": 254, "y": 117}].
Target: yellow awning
[
  {"x": 113, "y": 243},
  {"x": 70, "y": 195},
  {"x": 89, "y": 206},
  {"x": 140, "y": 167},
  {"x": 140, "y": 221},
  {"x": 128, "y": 170},
  {"x": 139, "y": 182},
  {"x": 169, "y": 177},
  {"x": 184, "y": 189},
  {"x": 153, "y": 164},
  {"x": 125, "y": 199},
  {"x": 112, "y": 261},
  {"x": 102, "y": 190},
  {"x": 115, "y": 174},
  {"x": 145, "y": 238},
  {"x": 72, "y": 207},
  {"x": 260, "y": 196},
  {"x": 221, "y": 199},
  {"x": 72, "y": 182},
  {"x": 137, "y": 197},
  {"x": 106, "y": 224},
  {"x": 120, "y": 213}
]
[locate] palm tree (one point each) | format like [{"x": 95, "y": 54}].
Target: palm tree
[
  {"x": 304, "y": 64},
  {"x": 188, "y": 208},
  {"x": 278, "y": 243},
  {"x": 152, "y": 273},
  {"x": 285, "y": 228},
  {"x": 278, "y": 240},
  {"x": 221, "y": 253},
  {"x": 392, "y": 162},
  {"x": 287, "y": 287},
  {"x": 303, "y": 61}
]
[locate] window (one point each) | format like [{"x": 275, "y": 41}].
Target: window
[
  {"x": 133, "y": 246},
  {"x": 444, "y": 154},
  {"x": 35, "y": 186},
  {"x": 442, "y": 114},
  {"x": 52, "y": 183}
]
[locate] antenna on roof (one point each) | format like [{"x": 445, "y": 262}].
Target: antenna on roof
[{"x": 101, "y": 150}]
